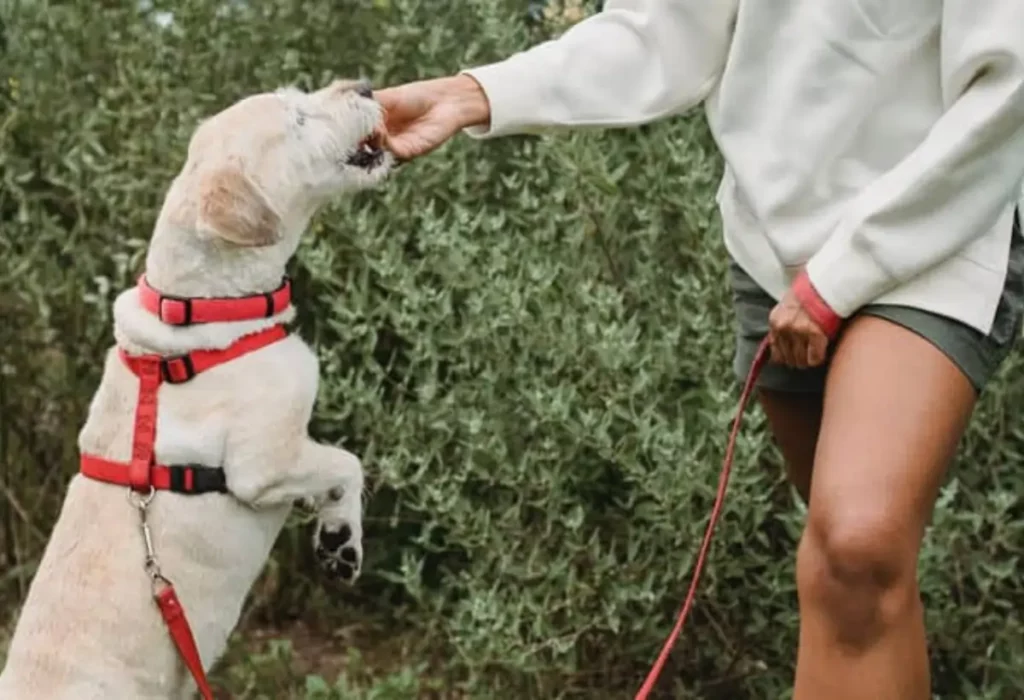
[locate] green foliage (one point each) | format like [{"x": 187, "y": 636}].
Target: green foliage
[
  {"x": 274, "y": 674},
  {"x": 527, "y": 340}
]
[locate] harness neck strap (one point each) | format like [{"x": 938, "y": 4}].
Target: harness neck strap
[{"x": 188, "y": 311}]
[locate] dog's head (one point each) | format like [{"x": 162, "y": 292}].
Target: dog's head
[{"x": 258, "y": 170}]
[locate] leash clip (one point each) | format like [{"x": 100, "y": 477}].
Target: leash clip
[{"x": 150, "y": 564}]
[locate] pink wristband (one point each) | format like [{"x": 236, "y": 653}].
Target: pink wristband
[{"x": 820, "y": 312}]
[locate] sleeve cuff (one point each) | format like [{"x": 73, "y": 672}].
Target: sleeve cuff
[
  {"x": 511, "y": 94},
  {"x": 816, "y": 307},
  {"x": 847, "y": 276}
]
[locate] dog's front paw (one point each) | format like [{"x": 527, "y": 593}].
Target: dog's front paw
[{"x": 339, "y": 549}]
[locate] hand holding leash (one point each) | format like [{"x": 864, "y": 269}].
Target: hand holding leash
[{"x": 801, "y": 326}]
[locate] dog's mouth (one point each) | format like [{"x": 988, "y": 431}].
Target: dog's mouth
[{"x": 370, "y": 151}]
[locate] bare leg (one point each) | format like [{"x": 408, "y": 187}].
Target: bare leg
[
  {"x": 895, "y": 409},
  {"x": 795, "y": 420}
]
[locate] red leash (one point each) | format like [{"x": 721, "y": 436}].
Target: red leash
[
  {"x": 723, "y": 481},
  {"x": 181, "y": 633},
  {"x": 170, "y": 606}
]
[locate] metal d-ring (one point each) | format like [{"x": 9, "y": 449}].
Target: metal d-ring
[{"x": 141, "y": 501}]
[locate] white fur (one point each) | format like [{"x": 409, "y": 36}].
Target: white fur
[{"x": 89, "y": 628}]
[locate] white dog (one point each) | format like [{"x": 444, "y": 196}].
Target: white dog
[{"x": 90, "y": 629}]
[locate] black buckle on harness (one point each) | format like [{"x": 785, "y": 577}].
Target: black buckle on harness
[
  {"x": 177, "y": 369},
  {"x": 195, "y": 479},
  {"x": 175, "y": 311},
  {"x": 286, "y": 285}
]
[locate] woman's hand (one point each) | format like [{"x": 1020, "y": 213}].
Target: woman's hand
[
  {"x": 421, "y": 116},
  {"x": 801, "y": 326}
]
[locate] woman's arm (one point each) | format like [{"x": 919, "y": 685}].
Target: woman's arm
[
  {"x": 634, "y": 62},
  {"x": 957, "y": 183}
]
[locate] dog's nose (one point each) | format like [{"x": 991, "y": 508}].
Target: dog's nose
[{"x": 364, "y": 90}]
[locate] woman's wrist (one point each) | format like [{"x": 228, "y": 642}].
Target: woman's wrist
[
  {"x": 468, "y": 99},
  {"x": 816, "y": 307}
]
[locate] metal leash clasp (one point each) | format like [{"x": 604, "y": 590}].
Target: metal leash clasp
[{"x": 150, "y": 565}]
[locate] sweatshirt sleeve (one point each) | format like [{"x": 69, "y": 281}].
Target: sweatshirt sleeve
[
  {"x": 957, "y": 183},
  {"x": 632, "y": 63}
]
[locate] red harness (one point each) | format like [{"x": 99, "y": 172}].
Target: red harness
[{"x": 142, "y": 474}]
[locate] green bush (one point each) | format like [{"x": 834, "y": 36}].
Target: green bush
[{"x": 527, "y": 340}]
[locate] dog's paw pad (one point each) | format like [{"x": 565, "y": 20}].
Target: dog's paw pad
[
  {"x": 335, "y": 540},
  {"x": 339, "y": 552}
]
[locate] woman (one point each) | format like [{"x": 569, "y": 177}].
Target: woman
[{"x": 874, "y": 157}]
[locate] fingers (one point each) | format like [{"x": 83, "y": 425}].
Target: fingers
[
  {"x": 780, "y": 323},
  {"x": 796, "y": 341},
  {"x": 817, "y": 349},
  {"x": 394, "y": 108},
  {"x": 420, "y": 117},
  {"x": 401, "y": 147},
  {"x": 790, "y": 349},
  {"x": 416, "y": 141},
  {"x": 404, "y": 112},
  {"x": 780, "y": 345},
  {"x": 387, "y": 97}
]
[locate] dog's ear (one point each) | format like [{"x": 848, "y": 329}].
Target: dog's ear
[{"x": 232, "y": 208}]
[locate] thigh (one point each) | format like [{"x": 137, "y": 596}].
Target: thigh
[
  {"x": 795, "y": 420},
  {"x": 895, "y": 408},
  {"x": 790, "y": 398}
]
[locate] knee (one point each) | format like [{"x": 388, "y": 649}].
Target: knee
[{"x": 858, "y": 572}]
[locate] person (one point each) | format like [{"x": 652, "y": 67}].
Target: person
[{"x": 874, "y": 155}]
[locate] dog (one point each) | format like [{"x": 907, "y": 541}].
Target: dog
[{"x": 255, "y": 174}]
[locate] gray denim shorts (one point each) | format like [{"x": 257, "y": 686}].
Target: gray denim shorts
[{"x": 976, "y": 354}]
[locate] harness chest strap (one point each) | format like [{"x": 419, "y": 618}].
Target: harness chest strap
[{"x": 142, "y": 473}]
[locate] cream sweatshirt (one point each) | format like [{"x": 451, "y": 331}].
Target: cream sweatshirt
[{"x": 878, "y": 144}]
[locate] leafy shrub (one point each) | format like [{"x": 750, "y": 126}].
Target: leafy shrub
[{"x": 528, "y": 341}]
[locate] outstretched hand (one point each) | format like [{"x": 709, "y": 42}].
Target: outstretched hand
[{"x": 423, "y": 115}]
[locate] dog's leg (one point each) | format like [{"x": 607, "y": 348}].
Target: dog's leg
[
  {"x": 330, "y": 480},
  {"x": 338, "y": 538}
]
